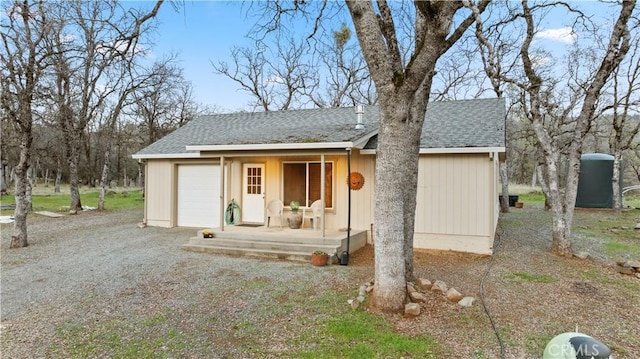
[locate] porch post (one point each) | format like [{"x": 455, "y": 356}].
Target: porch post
[
  {"x": 222, "y": 208},
  {"x": 322, "y": 190}
]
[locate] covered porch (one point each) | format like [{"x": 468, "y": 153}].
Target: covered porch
[{"x": 275, "y": 242}]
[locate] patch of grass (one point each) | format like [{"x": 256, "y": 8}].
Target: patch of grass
[
  {"x": 631, "y": 201},
  {"x": 533, "y": 277},
  {"x": 259, "y": 283},
  {"x": 60, "y": 201},
  {"x": 505, "y": 333},
  {"x": 619, "y": 249},
  {"x": 359, "y": 334},
  {"x": 609, "y": 233},
  {"x": 596, "y": 275},
  {"x": 530, "y": 194},
  {"x": 118, "y": 338},
  {"x": 479, "y": 354},
  {"x": 536, "y": 342},
  {"x": 155, "y": 320},
  {"x": 531, "y": 197},
  {"x": 519, "y": 189}
]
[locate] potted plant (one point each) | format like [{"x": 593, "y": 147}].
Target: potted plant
[
  {"x": 295, "y": 218},
  {"x": 319, "y": 258}
]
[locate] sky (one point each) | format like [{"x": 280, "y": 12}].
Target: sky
[{"x": 205, "y": 31}]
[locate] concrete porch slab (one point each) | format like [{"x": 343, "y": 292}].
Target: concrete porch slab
[{"x": 276, "y": 242}]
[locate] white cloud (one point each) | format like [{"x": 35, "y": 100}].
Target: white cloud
[
  {"x": 67, "y": 38},
  {"x": 563, "y": 34},
  {"x": 540, "y": 60}
]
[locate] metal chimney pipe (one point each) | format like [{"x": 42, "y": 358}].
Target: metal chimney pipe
[{"x": 359, "y": 115}]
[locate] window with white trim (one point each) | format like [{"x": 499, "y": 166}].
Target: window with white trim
[{"x": 301, "y": 182}]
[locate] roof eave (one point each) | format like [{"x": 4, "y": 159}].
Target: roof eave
[
  {"x": 362, "y": 141},
  {"x": 165, "y": 155},
  {"x": 271, "y": 146},
  {"x": 425, "y": 151},
  {"x": 462, "y": 150}
]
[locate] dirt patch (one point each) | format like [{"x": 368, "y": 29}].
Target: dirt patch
[{"x": 531, "y": 294}]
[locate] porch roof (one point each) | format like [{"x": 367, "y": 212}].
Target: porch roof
[{"x": 475, "y": 123}]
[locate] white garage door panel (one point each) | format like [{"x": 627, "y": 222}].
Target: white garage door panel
[{"x": 198, "y": 196}]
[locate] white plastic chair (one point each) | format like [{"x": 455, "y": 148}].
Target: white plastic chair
[
  {"x": 315, "y": 214},
  {"x": 275, "y": 208}
]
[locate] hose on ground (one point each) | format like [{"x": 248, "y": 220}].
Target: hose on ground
[{"x": 497, "y": 242}]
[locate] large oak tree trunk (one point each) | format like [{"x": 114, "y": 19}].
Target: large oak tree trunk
[
  {"x": 403, "y": 90},
  {"x": 22, "y": 192},
  {"x": 141, "y": 179},
  {"x": 104, "y": 179},
  {"x": 395, "y": 200},
  {"x": 563, "y": 202},
  {"x": 74, "y": 182},
  {"x": 58, "y": 177},
  {"x": 3, "y": 182},
  {"x": 504, "y": 179},
  {"x": 615, "y": 181},
  {"x": 558, "y": 201}
]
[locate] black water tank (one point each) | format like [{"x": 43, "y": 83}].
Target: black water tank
[{"x": 594, "y": 183}]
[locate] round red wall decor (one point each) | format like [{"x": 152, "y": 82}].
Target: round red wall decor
[{"x": 356, "y": 180}]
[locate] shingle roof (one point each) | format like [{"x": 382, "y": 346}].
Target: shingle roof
[
  {"x": 448, "y": 124},
  {"x": 462, "y": 124},
  {"x": 292, "y": 126}
]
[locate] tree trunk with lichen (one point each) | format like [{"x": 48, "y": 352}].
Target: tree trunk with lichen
[
  {"x": 19, "y": 237},
  {"x": 403, "y": 92},
  {"x": 504, "y": 180},
  {"x": 562, "y": 199}
]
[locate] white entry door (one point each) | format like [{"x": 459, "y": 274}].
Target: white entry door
[{"x": 253, "y": 192}]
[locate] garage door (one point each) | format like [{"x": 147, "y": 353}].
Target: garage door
[{"x": 198, "y": 196}]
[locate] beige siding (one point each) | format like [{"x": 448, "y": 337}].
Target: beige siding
[
  {"x": 361, "y": 200},
  {"x": 494, "y": 195},
  {"x": 455, "y": 202},
  {"x": 161, "y": 186},
  {"x": 456, "y": 197},
  {"x": 159, "y": 189},
  {"x": 458, "y": 243}
]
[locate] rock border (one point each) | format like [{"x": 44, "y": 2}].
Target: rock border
[{"x": 416, "y": 294}]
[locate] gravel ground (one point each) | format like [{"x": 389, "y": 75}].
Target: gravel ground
[
  {"x": 99, "y": 269},
  {"x": 96, "y": 277}
]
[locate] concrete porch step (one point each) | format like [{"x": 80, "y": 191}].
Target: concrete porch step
[
  {"x": 262, "y": 248},
  {"x": 249, "y": 252},
  {"x": 296, "y": 246},
  {"x": 329, "y": 246}
]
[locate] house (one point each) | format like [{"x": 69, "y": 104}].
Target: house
[{"x": 193, "y": 173}]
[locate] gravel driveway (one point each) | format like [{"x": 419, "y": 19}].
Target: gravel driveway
[
  {"x": 92, "y": 253},
  {"x": 97, "y": 268}
]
